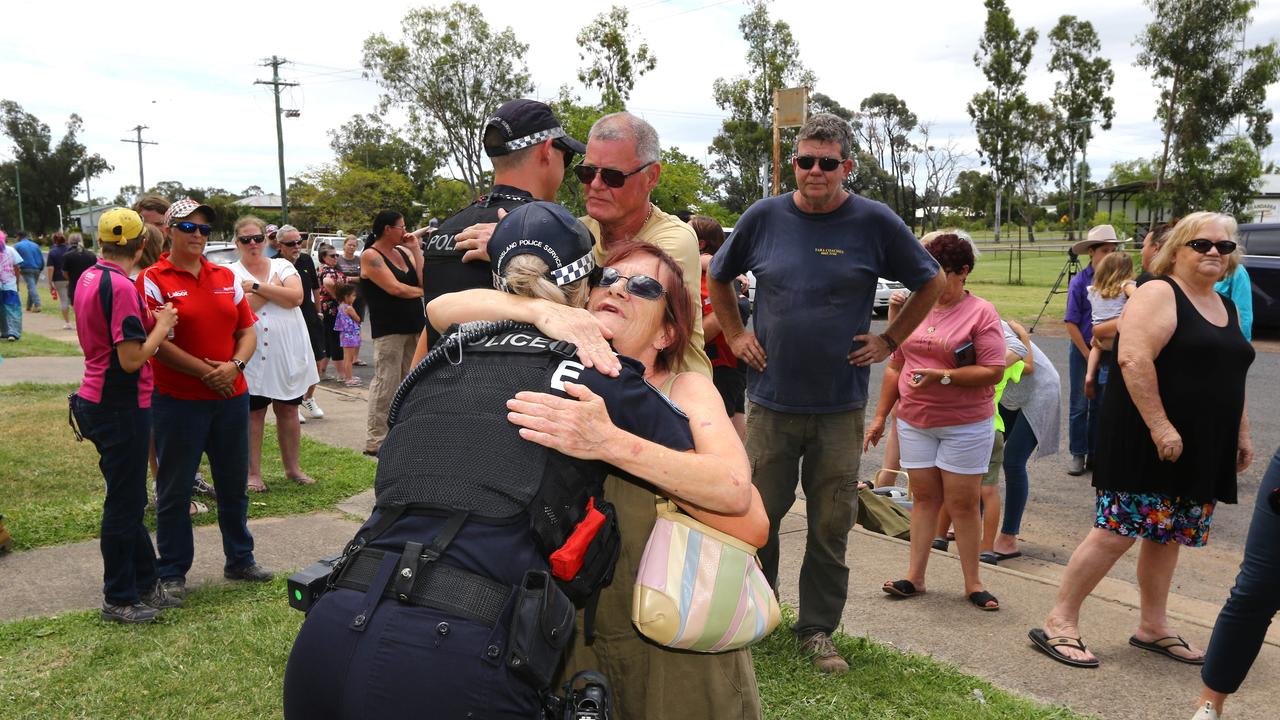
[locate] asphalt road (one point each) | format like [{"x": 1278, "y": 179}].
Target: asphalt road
[{"x": 1060, "y": 508}]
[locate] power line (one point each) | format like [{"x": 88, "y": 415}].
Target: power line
[
  {"x": 276, "y": 83},
  {"x": 142, "y": 182}
]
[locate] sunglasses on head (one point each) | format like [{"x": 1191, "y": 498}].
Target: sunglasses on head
[
  {"x": 826, "y": 164},
  {"x": 613, "y": 178},
  {"x": 642, "y": 286},
  {"x": 246, "y": 239},
  {"x": 1225, "y": 247},
  {"x": 192, "y": 228}
]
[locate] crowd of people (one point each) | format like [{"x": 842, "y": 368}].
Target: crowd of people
[{"x": 664, "y": 389}]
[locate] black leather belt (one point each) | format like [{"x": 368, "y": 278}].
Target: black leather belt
[{"x": 438, "y": 586}]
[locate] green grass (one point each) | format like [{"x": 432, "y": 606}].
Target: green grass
[
  {"x": 1022, "y": 301},
  {"x": 52, "y": 490},
  {"x": 33, "y": 345},
  {"x": 224, "y": 654}
]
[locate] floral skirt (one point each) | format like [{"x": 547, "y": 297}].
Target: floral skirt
[{"x": 1155, "y": 517}]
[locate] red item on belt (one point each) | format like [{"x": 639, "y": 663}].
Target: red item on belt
[{"x": 567, "y": 561}]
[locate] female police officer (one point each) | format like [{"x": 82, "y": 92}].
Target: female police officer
[{"x": 444, "y": 605}]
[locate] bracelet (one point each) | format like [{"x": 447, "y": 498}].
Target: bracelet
[{"x": 893, "y": 344}]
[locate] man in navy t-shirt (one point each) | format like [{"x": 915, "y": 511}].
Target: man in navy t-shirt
[{"x": 816, "y": 254}]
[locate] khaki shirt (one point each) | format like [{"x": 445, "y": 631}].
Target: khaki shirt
[{"x": 678, "y": 240}]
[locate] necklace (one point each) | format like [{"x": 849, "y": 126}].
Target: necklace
[{"x": 937, "y": 314}]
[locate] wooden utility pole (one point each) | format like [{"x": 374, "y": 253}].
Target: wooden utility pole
[
  {"x": 276, "y": 83},
  {"x": 142, "y": 179}
]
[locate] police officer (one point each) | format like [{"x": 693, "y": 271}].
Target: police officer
[
  {"x": 451, "y": 601},
  {"x": 530, "y": 153}
]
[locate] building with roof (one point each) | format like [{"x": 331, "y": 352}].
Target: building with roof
[{"x": 267, "y": 201}]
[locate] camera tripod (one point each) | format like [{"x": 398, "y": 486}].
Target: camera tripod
[{"x": 1069, "y": 269}]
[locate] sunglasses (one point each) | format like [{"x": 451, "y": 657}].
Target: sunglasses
[
  {"x": 191, "y": 228},
  {"x": 613, "y": 178},
  {"x": 293, "y": 244},
  {"x": 246, "y": 239},
  {"x": 642, "y": 286},
  {"x": 826, "y": 164},
  {"x": 1225, "y": 247}
]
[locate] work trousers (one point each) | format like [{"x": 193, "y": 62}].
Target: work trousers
[
  {"x": 392, "y": 360},
  {"x": 828, "y": 444},
  {"x": 1255, "y": 599}
]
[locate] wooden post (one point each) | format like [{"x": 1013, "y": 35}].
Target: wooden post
[{"x": 777, "y": 147}]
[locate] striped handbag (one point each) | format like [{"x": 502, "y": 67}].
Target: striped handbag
[{"x": 700, "y": 589}]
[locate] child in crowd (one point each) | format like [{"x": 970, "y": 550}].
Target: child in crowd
[
  {"x": 347, "y": 323},
  {"x": 1112, "y": 285}
]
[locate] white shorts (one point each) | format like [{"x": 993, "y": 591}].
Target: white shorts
[{"x": 960, "y": 449}]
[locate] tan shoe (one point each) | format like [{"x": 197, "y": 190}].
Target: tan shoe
[{"x": 824, "y": 654}]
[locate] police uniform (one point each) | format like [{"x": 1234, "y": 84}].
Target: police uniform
[
  {"x": 443, "y": 271},
  {"x": 449, "y": 650}
]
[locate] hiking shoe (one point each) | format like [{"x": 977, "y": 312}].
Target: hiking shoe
[
  {"x": 174, "y": 587},
  {"x": 313, "y": 408},
  {"x": 1077, "y": 465},
  {"x": 157, "y": 598},
  {"x": 200, "y": 487},
  {"x": 825, "y": 656},
  {"x": 134, "y": 614},
  {"x": 251, "y": 573}
]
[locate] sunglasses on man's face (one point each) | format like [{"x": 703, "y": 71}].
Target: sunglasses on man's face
[
  {"x": 642, "y": 286},
  {"x": 613, "y": 178},
  {"x": 293, "y": 244},
  {"x": 191, "y": 228},
  {"x": 1225, "y": 247},
  {"x": 246, "y": 239},
  {"x": 826, "y": 164}
]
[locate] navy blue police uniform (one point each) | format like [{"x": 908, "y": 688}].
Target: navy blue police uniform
[{"x": 431, "y": 617}]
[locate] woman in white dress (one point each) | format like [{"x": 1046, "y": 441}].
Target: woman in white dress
[{"x": 282, "y": 367}]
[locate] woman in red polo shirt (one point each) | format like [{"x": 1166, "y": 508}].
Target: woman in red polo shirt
[{"x": 201, "y": 403}]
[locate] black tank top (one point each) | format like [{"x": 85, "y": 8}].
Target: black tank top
[
  {"x": 1201, "y": 376},
  {"x": 388, "y": 314}
]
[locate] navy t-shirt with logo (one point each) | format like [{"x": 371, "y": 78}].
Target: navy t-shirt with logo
[{"x": 815, "y": 287}]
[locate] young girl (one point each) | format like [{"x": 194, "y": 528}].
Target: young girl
[
  {"x": 1112, "y": 285},
  {"x": 347, "y": 323}
]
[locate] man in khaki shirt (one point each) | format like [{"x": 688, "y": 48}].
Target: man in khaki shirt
[{"x": 620, "y": 169}]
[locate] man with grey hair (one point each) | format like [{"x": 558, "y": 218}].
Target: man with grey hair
[
  {"x": 816, "y": 254},
  {"x": 618, "y": 172}
]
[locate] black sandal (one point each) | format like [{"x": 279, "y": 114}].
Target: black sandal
[
  {"x": 940, "y": 544},
  {"x": 1048, "y": 645},
  {"x": 981, "y": 598},
  {"x": 901, "y": 588}
]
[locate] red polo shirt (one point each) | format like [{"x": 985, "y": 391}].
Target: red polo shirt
[{"x": 211, "y": 308}]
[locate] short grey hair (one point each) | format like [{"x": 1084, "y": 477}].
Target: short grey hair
[
  {"x": 625, "y": 126},
  {"x": 825, "y": 127},
  {"x": 280, "y": 231}
]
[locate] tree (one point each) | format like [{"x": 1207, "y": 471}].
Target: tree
[
  {"x": 685, "y": 184},
  {"x": 605, "y": 45},
  {"x": 449, "y": 73},
  {"x": 941, "y": 165},
  {"x": 744, "y": 145},
  {"x": 369, "y": 141},
  {"x": 882, "y": 131},
  {"x": 1207, "y": 79},
  {"x": 975, "y": 193},
  {"x": 1033, "y": 137},
  {"x": 252, "y": 190},
  {"x": 50, "y": 174},
  {"x": 1081, "y": 96},
  {"x": 1003, "y": 55},
  {"x": 346, "y": 195}
]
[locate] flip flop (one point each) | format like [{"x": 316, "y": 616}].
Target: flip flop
[
  {"x": 261, "y": 487},
  {"x": 1164, "y": 646},
  {"x": 1008, "y": 556},
  {"x": 940, "y": 544},
  {"x": 901, "y": 588},
  {"x": 988, "y": 557},
  {"x": 1048, "y": 645},
  {"x": 981, "y": 598},
  {"x": 303, "y": 480},
  {"x": 200, "y": 507}
]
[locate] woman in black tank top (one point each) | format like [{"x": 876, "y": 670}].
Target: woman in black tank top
[
  {"x": 1173, "y": 434},
  {"x": 392, "y": 288}
]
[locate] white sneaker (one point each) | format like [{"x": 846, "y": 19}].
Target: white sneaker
[
  {"x": 313, "y": 408},
  {"x": 302, "y": 419},
  {"x": 1206, "y": 713}
]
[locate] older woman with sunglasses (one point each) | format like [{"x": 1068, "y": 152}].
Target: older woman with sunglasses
[
  {"x": 1169, "y": 450},
  {"x": 283, "y": 365},
  {"x": 632, "y": 304}
]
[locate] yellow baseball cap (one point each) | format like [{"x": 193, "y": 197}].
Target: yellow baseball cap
[{"x": 119, "y": 225}]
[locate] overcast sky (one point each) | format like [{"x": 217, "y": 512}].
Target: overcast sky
[{"x": 188, "y": 73}]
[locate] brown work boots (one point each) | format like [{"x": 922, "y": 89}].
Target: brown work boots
[{"x": 824, "y": 654}]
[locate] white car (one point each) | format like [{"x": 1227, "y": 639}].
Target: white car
[
  {"x": 884, "y": 288},
  {"x": 221, "y": 253}
]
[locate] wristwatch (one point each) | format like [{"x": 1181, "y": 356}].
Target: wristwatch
[
  {"x": 946, "y": 377},
  {"x": 255, "y": 286},
  {"x": 238, "y": 363}
]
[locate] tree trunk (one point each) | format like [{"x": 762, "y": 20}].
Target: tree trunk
[{"x": 1168, "y": 126}]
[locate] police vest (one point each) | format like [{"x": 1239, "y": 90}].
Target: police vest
[
  {"x": 451, "y": 447},
  {"x": 443, "y": 269}
]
